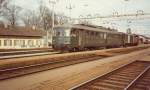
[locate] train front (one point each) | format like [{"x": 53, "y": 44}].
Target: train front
[{"x": 61, "y": 38}]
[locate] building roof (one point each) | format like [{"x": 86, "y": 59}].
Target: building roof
[{"x": 21, "y": 31}]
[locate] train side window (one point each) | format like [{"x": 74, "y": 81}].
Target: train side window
[
  {"x": 102, "y": 35},
  {"x": 89, "y": 33},
  {"x": 105, "y": 35},
  {"x": 92, "y": 33},
  {"x": 111, "y": 36},
  {"x": 96, "y": 34}
]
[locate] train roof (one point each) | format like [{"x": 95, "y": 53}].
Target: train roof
[{"x": 90, "y": 28}]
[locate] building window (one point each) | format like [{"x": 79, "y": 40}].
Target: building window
[
  {"x": 22, "y": 43},
  {"x": 38, "y": 43},
  {"x": 10, "y": 42},
  {"x": 16, "y": 42},
  {"x": 7, "y": 42},
  {"x": 30, "y": 43}
]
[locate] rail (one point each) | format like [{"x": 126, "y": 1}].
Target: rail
[
  {"x": 138, "y": 77},
  {"x": 118, "y": 79}
]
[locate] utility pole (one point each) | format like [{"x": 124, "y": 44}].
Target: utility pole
[
  {"x": 126, "y": 2},
  {"x": 128, "y": 21},
  {"x": 128, "y": 26},
  {"x": 53, "y": 21},
  {"x": 70, "y": 7}
]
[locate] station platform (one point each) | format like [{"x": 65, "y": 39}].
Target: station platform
[
  {"x": 146, "y": 58},
  {"x": 67, "y": 77},
  {"x": 27, "y": 55}
]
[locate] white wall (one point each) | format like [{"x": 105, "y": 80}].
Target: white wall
[{"x": 37, "y": 43}]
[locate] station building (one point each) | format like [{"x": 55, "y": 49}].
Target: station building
[{"x": 21, "y": 38}]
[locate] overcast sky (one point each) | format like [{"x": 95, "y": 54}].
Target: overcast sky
[{"x": 103, "y": 8}]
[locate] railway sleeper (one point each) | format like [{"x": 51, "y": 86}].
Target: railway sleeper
[
  {"x": 142, "y": 84},
  {"x": 119, "y": 80},
  {"x": 123, "y": 77},
  {"x": 145, "y": 81},
  {"x": 142, "y": 87},
  {"x": 107, "y": 85},
  {"x": 116, "y": 82},
  {"x": 123, "y": 74},
  {"x": 137, "y": 89},
  {"x": 98, "y": 88},
  {"x": 127, "y": 75}
]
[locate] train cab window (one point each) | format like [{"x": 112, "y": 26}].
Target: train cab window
[
  {"x": 77, "y": 32},
  {"x": 73, "y": 33},
  {"x": 57, "y": 33}
]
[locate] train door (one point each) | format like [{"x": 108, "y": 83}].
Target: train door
[
  {"x": 105, "y": 38},
  {"x": 80, "y": 38},
  {"x": 129, "y": 39},
  {"x": 74, "y": 37}
]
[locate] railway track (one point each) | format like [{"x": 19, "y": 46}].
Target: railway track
[
  {"x": 134, "y": 76},
  {"x": 49, "y": 63},
  {"x": 27, "y": 53},
  {"x": 143, "y": 82},
  {"x": 10, "y": 53},
  {"x": 36, "y": 52}
]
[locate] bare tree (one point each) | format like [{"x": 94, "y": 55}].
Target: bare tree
[
  {"x": 31, "y": 18},
  {"x": 3, "y": 4},
  {"x": 62, "y": 19},
  {"x": 41, "y": 18},
  {"x": 45, "y": 14},
  {"x": 11, "y": 14},
  {"x": 45, "y": 17}
]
